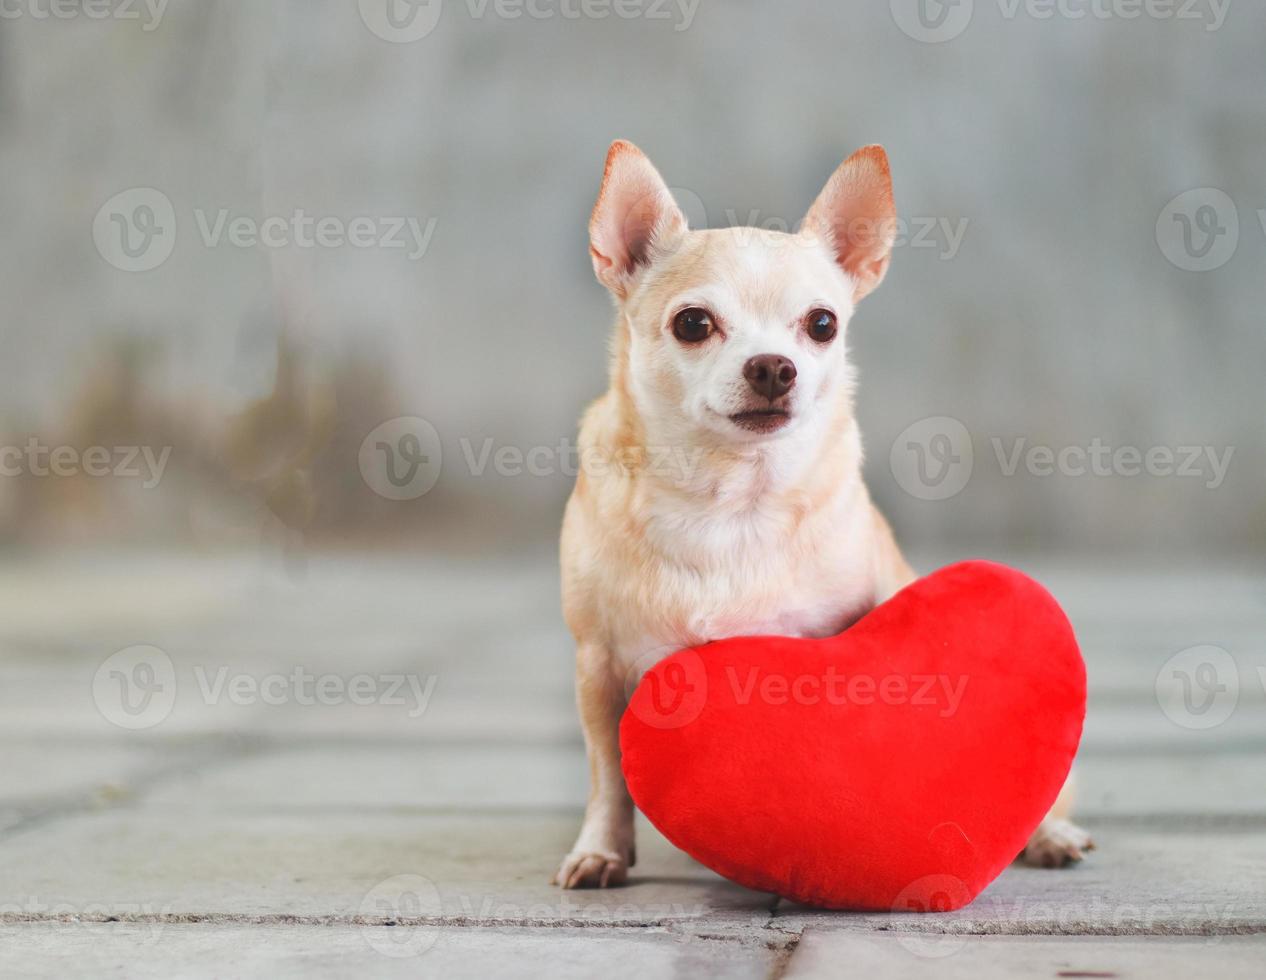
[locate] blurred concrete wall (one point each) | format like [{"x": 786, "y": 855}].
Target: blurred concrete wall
[{"x": 1045, "y": 294}]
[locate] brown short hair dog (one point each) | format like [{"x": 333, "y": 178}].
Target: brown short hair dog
[{"x": 720, "y": 491}]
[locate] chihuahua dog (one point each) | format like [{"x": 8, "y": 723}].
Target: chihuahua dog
[{"x": 720, "y": 490}]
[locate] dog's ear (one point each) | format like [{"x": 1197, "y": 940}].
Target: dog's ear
[
  {"x": 856, "y": 217},
  {"x": 634, "y": 213}
]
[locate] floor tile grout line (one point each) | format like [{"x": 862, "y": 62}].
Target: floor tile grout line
[
  {"x": 702, "y": 926},
  {"x": 784, "y": 955},
  {"x": 696, "y": 927},
  {"x": 1146, "y": 820}
]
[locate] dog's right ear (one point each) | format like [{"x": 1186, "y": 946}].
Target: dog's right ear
[
  {"x": 855, "y": 216},
  {"x": 635, "y": 212}
]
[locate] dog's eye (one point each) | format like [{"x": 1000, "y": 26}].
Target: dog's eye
[
  {"x": 693, "y": 325},
  {"x": 822, "y": 326}
]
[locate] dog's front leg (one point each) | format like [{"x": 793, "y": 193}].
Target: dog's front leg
[
  {"x": 1058, "y": 841},
  {"x": 604, "y": 851}
]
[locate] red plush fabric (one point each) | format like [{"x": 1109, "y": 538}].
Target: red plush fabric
[{"x": 898, "y": 766}]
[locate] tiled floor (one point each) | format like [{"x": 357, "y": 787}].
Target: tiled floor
[{"x": 210, "y": 769}]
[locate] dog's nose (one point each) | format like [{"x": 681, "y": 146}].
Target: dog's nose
[{"x": 771, "y": 375}]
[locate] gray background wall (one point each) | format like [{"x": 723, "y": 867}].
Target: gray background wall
[{"x": 1059, "y": 319}]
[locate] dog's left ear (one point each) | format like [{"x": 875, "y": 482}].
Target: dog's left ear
[
  {"x": 635, "y": 212},
  {"x": 856, "y": 217}
]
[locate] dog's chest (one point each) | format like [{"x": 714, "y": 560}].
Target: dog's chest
[{"x": 722, "y": 581}]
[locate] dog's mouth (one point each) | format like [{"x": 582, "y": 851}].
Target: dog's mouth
[{"x": 762, "y": 419}]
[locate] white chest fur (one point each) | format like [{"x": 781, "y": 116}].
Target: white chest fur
[{"x": 756, "y": 573}]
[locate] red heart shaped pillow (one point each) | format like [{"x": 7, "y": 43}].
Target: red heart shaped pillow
[{"x": 899, "y": 765}]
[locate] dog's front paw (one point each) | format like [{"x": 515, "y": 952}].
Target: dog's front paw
[
  {"x": 590, "y": 869},
  {"x": 1056, "y": 844}
]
